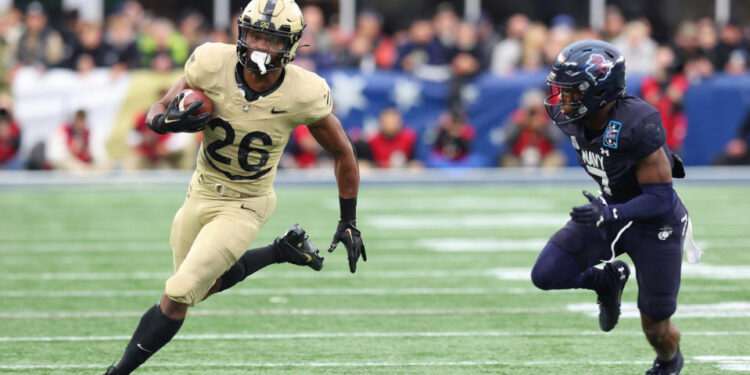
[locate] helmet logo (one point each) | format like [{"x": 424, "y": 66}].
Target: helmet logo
[
  {"x": 265, "y": 24},
  {"x": 598, "y": 68}
]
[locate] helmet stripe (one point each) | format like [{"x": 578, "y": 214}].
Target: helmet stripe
[{"x": 268, "y": 11}]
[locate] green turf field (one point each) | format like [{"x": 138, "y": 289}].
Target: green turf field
[{"x": 446, "y": 289}]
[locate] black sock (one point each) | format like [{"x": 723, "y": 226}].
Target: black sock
[
  {"x": 154, "y": 330},
  {"x": 250, "y": 262},
  {"x": 594, "y": 279},
  {"x": 674, "y": 359}
]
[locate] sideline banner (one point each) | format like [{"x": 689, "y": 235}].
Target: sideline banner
[{"x": 44, "y": 100}]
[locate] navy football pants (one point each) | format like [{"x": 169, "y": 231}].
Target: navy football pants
[{"x": 654, "y": 247}]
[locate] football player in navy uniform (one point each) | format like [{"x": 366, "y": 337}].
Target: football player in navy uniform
[
  {"x": 258, "y": 100},
  {"x": 620, "y": 141}
]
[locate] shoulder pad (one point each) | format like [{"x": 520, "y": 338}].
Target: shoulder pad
[
  {"x": 211, "y": 57},
  {"x": 312, "y": 86}
]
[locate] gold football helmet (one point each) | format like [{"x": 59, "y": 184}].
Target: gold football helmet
[{"x": 269, "y": 32}]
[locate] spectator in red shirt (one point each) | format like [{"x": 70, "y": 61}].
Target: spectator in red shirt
[
  {"x": 150, "y": 150},
  {"x": 454, "y": 136},
  {"x": 530, "y": 138},
  {"x": 69, "y": 148},
  {"x": 666, "y": 90},
  {"x": 304, "y": 149},
  {"x": 153, "y": 151},
  {"x": 393, "y": 145},
  {"x": 10, "y": 138}
]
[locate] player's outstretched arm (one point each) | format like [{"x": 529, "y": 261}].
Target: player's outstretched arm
[
  {"x": 164, "y": 116},
  {"x": 331, "y": 135}
]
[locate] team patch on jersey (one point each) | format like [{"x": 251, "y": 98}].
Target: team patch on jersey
[{"x": 612, "y": 134}]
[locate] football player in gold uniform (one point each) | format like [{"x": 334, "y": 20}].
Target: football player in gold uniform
[{"x": 258, "y": 100}]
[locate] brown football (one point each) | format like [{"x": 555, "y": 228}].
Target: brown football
[{"x": 192, "y": 96}]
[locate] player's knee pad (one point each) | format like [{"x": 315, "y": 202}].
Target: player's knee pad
[{"x": 184, "y": 288}]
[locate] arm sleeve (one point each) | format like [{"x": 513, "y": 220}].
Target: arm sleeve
[
  {"x": 656, "y": 199},
  {"x": 648, "y": 137}
]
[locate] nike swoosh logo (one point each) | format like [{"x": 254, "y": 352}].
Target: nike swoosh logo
[
  {"x": 349, "y": 230},
  {"x": 275, "y": 112},
  {"x": 309, "y": 258},
  {"x": 142, "y": 348},
  {"x": 169, "y": 121}
]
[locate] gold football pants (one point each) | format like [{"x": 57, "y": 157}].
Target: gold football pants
[{"x": 210, "y": 232}]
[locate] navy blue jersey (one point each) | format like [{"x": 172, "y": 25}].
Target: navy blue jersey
[{"x": 633, "y": 132}]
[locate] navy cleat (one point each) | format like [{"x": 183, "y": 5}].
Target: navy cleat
[
  {"x": 112, "y": 370},
  {"x": 673, "y": 367},
  {"x": 295, "y": 247},
  {"x": 609, "y": 299}
]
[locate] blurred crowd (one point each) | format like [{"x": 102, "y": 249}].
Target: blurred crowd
[{"x": 443, "y": 48}]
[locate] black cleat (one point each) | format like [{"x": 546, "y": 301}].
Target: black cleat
[
  {"x": 295, "y": 247},
  {"x": 674, "y": 367},
  {"x": 609, "y": 300},
  {"x": 112, "y": 370}
]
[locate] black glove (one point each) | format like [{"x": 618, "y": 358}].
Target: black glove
[
  {"x": 176, "y": 121},
  {"x": 595, "y": 213},
  {"x": 348, "y": 233}
]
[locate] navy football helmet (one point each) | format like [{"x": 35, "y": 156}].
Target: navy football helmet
[{"x": 586, "y": 76}]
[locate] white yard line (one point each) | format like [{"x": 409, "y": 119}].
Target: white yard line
[
  {"x": 728, "y": 363},
  {"x": 451, "y": 245},
  {"x": 333, "y": 292},
  {"x": 337, "y": 364},
  {"x": 451, "y": 204},
  {"x": 497, "y": 243},
  {"x": 327, "y": 335},
  {"x": 726, "y": 309},
  {"x": 699, "y": 271},
  {"x": 297, "y": 274},
  {"x": 83, "y": 247},
  {"x": 436, "y": 222},
  {"x": 629, "y": 311},
  {"x": 261, "y": 292},
  {"x": 272, "y": 292},
  {"x": 290, "y": 312}
]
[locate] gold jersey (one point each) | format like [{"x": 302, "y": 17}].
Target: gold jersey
[{"x": 244, "y": 140}]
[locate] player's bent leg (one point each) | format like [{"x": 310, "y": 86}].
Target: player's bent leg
[
  {"x": 555, "y": 269},
  {"x": 293, "y": 247},
  {"x": 567, "y": 262},
  {"x": 664, "y": 337},
  {"x": 156, "y": 328},
  {"x": 216, "y": 249}
]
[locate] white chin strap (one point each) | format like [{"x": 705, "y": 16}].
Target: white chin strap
[{"x": 260, "y": 59}]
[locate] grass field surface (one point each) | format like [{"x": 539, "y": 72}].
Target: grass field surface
[{"x": 446, "y": 289}]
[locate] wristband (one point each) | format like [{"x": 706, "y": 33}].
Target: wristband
[{"x": 348, "y": 208}]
